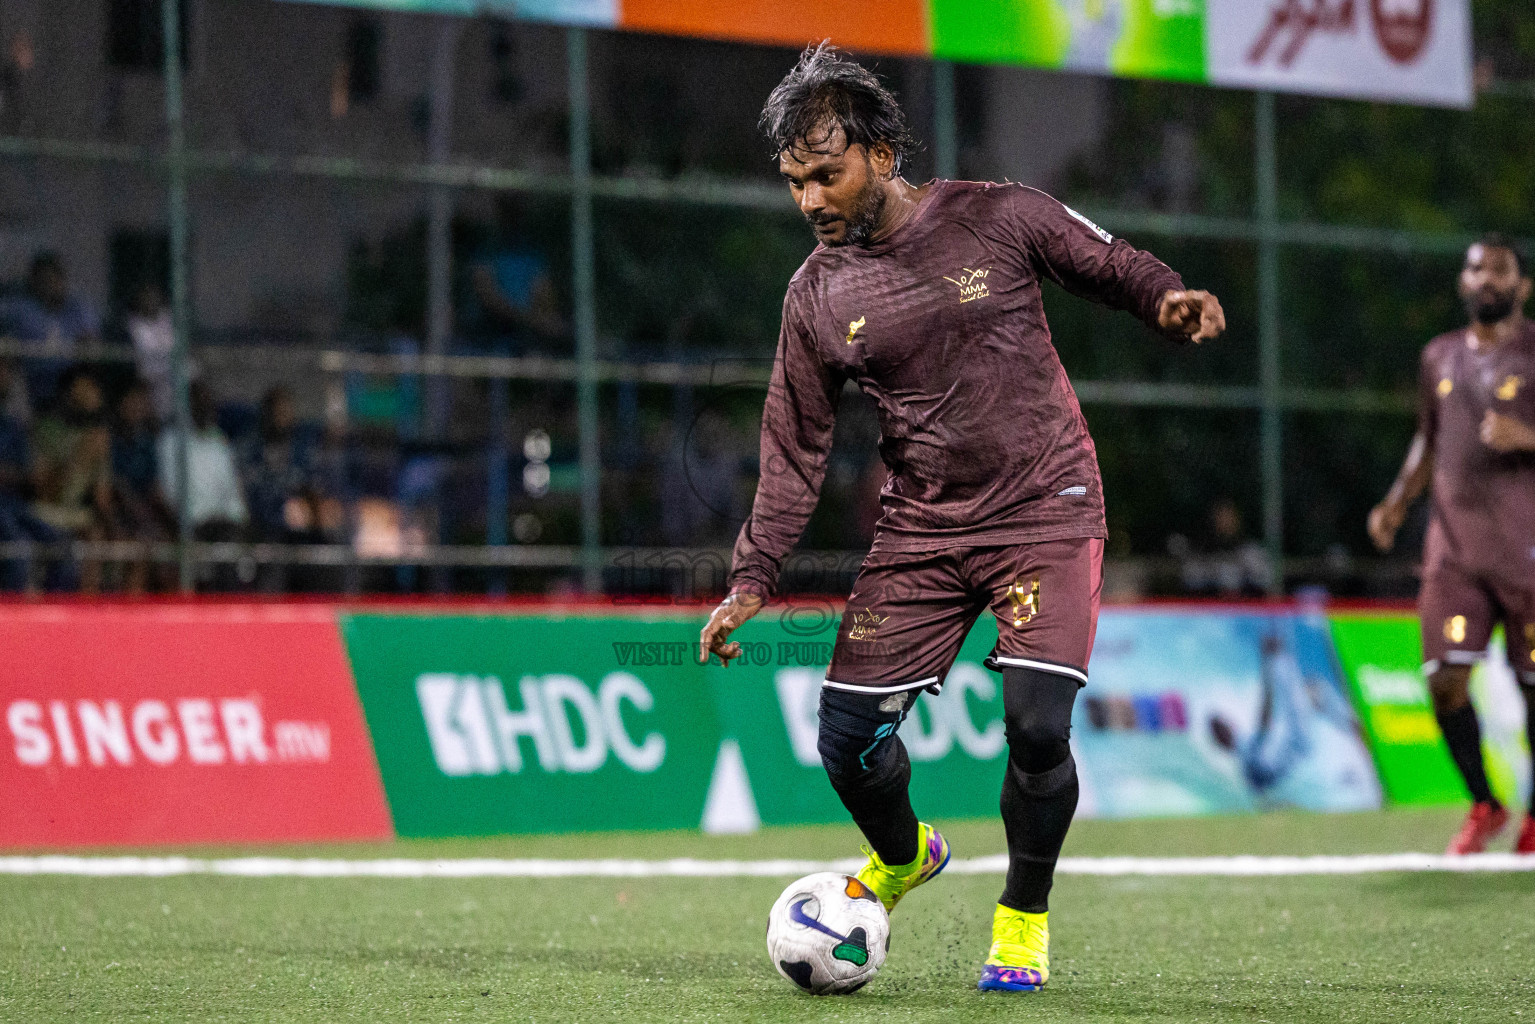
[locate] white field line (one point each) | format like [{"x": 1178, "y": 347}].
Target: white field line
[{"x": 287, "y": 867}]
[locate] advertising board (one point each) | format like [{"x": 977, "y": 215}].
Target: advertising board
[
  {"x": 1406, "y": 51},
  {"x": 136, "y": 726},
  {"x": 500, "y": 724}
]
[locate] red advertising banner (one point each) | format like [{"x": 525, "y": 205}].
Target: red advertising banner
[{"x": 181, "y": 724}]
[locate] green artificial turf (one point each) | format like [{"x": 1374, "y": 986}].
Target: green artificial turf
[{"x": 1433, "y": 947}]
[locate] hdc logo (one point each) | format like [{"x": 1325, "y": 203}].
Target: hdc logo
[
  {"x": 473, "y": 730},
  {"x": 934, "y": 727}
]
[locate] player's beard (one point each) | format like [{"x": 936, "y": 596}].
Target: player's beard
[
  {"x": 1490, "y": 306},
  {"x": 863, "y": 214}
]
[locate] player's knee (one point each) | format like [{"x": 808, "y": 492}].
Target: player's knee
[
  {"x": 851, "y": 757},
  {"x": 1028, "y": 734},
  {"x": 1450, "y": 687},
  {"x": 1037, "y": 717}
]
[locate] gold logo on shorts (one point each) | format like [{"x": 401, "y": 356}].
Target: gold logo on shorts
[
  {"x": 1024, "y": 597},
  {"x": 865, "y": 625},
  {"x": 1455, "y": 629},
  {"x": 1509, "y": 389},
  {"x": 1445, "y": 387}
]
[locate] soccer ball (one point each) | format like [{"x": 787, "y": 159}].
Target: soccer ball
[{"x": 828, "y": 933}]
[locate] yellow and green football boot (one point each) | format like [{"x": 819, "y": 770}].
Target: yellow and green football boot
[
  {"x": 891, "y": 883},
  {"x": 1020, "y": 952}
]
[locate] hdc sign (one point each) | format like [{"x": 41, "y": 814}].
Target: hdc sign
[
  {"x": 180, "y": 725},
  {"x": 473, "y": 731}
]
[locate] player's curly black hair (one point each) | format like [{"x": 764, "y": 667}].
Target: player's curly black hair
[
  {"x": 1498, "y": 240},
  {"x": 827, "y": 90}
]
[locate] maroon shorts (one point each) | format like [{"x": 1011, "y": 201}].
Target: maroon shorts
[
  {"x": 1459, "y": 609},
  {"x": 910, "y": 612}
]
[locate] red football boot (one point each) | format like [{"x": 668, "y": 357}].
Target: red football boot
[
  {"x": 1526, "y": 841},
  {"x": 1482, "y": 825}
]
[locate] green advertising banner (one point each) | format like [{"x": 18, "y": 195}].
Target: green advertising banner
[
  {"x": 489, "y": 725},
  {"x": 1381, "y": 657},
  {"x": 516, "y": 723},
  {"x": 1138, "y": 38}
]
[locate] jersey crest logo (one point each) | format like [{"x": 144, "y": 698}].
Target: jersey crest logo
[
  {"x": 854, "y": 327},
  {"x": 1446, "y": 385},
  {"x": 971, "y": 284},
  {"x": 1509, "y": 389},
  {"x": 1024, "y": 597},
  {"x": 865, "y": 625}
]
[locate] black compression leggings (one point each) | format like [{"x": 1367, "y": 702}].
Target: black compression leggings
[{"x": 1039, "y": 791}]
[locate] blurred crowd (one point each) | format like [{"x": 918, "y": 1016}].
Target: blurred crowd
[{"x": 89, "y": 450}]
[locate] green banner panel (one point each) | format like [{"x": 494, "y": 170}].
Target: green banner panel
[
  {"x": 487, "y": 725},
  {"x": 1381, "y": 657},
  {"x": 1138, "y": 38}
]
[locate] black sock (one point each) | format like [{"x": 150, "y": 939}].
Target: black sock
[
  {"x": 1036, "y": 812},
  {"x": 1463, "y": 735},
  {"x": 1039, "y": 792},
  {"x": 880, "y": 804}
]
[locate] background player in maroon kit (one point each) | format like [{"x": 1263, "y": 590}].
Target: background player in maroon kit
[
  {"x": 1476, "y": 446},
  {"x": 929, "y": 299}
]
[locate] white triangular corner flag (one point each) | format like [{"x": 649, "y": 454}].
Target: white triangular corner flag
[{"x": 730, "y": 808}]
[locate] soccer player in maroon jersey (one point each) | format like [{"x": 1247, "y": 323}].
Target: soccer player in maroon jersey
[
  {"x": 928, "y": 297},
  {"x": 1475, "y": 449}
]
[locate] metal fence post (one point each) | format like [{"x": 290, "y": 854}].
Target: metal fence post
[
  {"x": 1269, "y": 374},
  {"x": 584, "y": 289},
  {"x": 176, "y": 201},
  {"x": 945, "y": 132},
  {"x": 439, "y": 250}
]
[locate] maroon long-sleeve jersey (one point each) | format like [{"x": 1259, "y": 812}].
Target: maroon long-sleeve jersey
[
  {"x": 943, "y": 325},
  {"x": 1483, "y": 500}
]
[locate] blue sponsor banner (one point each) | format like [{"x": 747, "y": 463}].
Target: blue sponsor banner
[{"x": 1196, "y": 712}]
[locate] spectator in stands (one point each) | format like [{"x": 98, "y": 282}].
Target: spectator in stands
[
  {"x": 215, "y": 500},
  {"x": 47, "y": 312},
  {"x": 1228, "y": 563},
  {"x": 140, "y": 510},
  {"x": 72, "y": 466},
  {"x": 15, "y": 403},
  {"x": 516, "y": 306},
  {"x": 18, "y": 524},
  {"x": 148, "y": 326},
  {"x": 287, "y": 502}
]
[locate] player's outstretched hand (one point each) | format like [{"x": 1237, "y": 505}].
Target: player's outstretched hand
[
  {"x": 737, "y": 607},
  {"x": 1198, "y": 315},
  {"x": 1506, "y": 434},
  {"x": 1385, "y": 519}
]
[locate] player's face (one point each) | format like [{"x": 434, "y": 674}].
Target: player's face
[
  {"x": 839, "y": 188},
  {"x": 1490, "y": 284}
]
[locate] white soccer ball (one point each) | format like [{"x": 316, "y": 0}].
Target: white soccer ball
[{"x": 828, "y": 933}]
